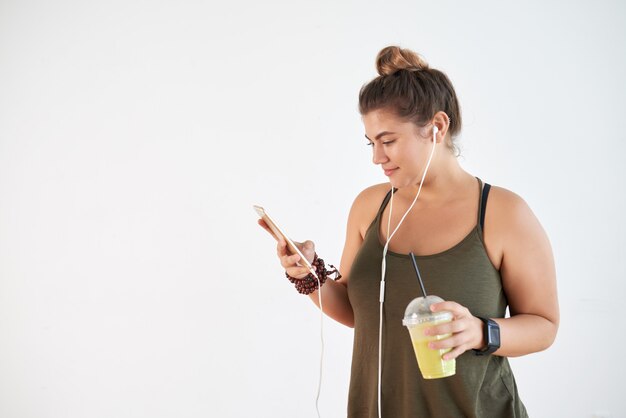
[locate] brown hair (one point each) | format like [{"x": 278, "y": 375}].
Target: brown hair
[{"x": 408, "y": 87}]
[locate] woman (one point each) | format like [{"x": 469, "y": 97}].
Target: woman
[{"x": 479, "y": 257}]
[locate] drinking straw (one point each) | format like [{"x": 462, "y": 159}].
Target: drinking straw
[{"x": 419, "y": 277}]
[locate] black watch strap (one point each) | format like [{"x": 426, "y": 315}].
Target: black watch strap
[{"x": 491, "y": 331}]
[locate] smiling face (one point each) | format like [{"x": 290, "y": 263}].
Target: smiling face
[{"x": 400, "y": 148}]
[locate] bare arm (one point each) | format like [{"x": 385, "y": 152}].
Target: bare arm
[
  {"x": 519, "y": 246},
  {"x": 335, "y": 292},
  {"x": 529, "y": 280}
]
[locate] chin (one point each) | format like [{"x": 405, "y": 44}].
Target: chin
[
  {"x": 402, "y": 183},
  {"x": 398, "y": 185}
]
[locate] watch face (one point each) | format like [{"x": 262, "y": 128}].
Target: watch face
[{"x": 494, "y": 335}]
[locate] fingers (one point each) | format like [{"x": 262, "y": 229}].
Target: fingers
[
  {"x": 451, "y": 327},
  {"x": 457, "y": 345},
  {"x": 457, "y": 309},
  {"x": 452, "y": 354},
  {"x": 308, "y": 250},
  {"x": 463, "y": 333},
  {"x": 286, "y": 259},
  {"x": 297, "y": 272},
  {"x": 289, "y": 261},
  {"x": 281, "y": 248}
]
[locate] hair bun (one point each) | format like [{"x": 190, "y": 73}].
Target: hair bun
[{"x": 393, "y": 59}]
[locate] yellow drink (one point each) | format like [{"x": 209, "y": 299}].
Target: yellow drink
[
  {"x": 419, "y": 316},
  {"x": 430, "y": 361}
]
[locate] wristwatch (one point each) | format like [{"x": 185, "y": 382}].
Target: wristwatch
[{"x": 492, "y": 337}]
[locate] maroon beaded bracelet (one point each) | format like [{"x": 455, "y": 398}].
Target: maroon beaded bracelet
[{"x": 309, "y": 284}]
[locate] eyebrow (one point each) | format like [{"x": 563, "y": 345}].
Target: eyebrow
[{"x": 380, "y": 135}]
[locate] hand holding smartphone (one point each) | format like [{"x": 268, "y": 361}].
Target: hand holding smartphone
[{"x": 278, "y": 232}]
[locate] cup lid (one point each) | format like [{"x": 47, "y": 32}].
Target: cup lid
[{"x": 418, "y": 311}]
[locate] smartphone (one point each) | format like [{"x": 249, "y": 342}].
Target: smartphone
[{"x": 279, "y": 233}]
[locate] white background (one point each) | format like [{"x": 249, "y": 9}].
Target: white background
[{"x": 136, "y": 135}]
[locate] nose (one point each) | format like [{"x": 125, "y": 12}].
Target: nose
[{"x": 378, "y": 154}]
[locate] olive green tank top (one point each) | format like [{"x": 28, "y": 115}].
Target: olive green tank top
[{"x": 483, "y": 386}]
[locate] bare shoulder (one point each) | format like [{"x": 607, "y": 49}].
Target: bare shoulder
[
  {"x": 362, "y": 213},
  {"x": 511, "y": 227},
  {"x": 507, "y": 209},
  {"x": 366, "y": 205},
  {"x": 373, "y": 195}
]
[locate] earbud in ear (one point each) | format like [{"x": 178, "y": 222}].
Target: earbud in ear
[{"x": 435, "y": 129}]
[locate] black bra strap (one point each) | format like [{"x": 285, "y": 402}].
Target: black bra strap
[
  {"x": 385, "y": 202},
  {"x": 483, "y": 204}
]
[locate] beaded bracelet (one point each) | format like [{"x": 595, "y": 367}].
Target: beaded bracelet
[{"x": 309, "y": 284}]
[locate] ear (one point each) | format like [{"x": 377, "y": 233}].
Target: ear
[{"x": 442, "y": 122}]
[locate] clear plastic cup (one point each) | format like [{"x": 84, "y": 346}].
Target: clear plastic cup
[{"x": 417, "y": 317}]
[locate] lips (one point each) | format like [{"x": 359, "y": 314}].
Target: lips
[{"x": 389, "y": 171}]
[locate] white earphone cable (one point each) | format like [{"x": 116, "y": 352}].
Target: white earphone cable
[
  {"x": 319, "y": 382},
  {"x": 384, "y": 266}
]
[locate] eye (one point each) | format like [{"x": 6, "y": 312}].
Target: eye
[
  {"x": 369, "y": 143},
  {"x": 389, "y": 142}
]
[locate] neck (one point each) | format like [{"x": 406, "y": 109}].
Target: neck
[{"x": 442, "y": 181}]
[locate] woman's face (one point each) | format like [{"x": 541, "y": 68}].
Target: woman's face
[{"x": 400, "y": 148}]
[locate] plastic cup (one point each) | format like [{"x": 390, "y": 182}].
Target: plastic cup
[{"x": 417, "y": 317}]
